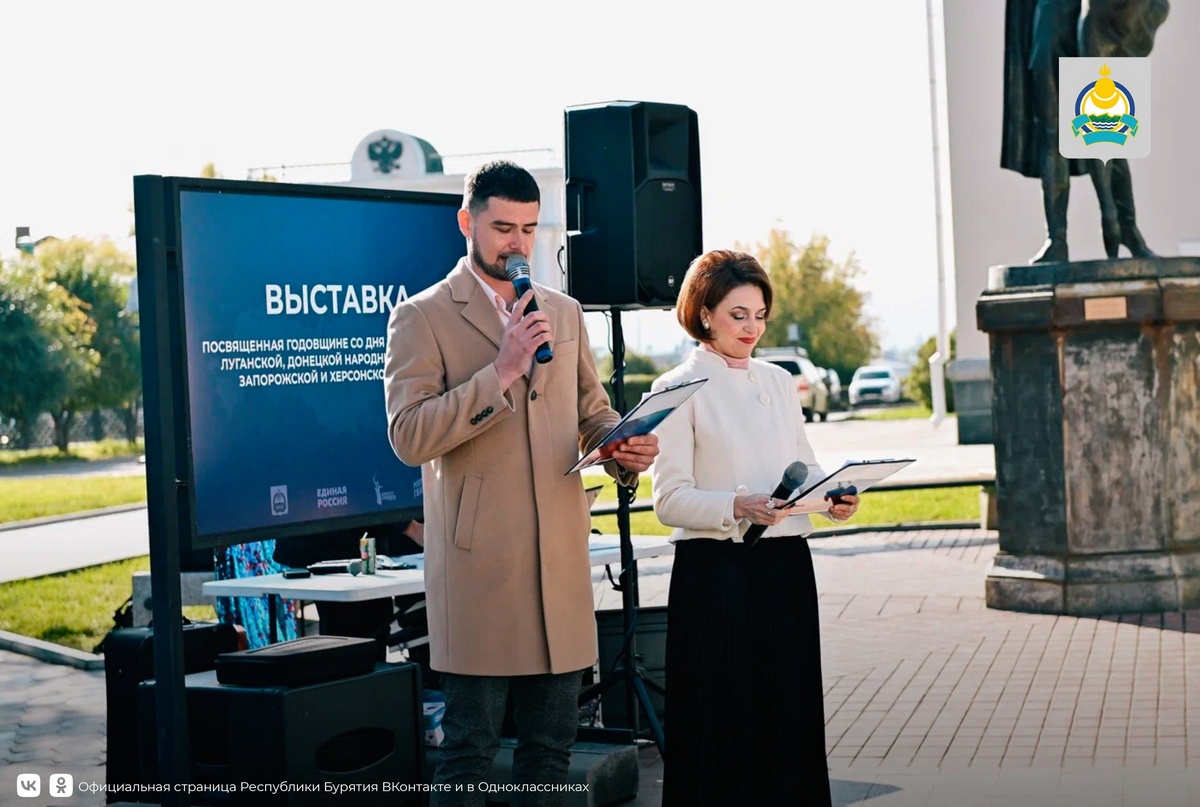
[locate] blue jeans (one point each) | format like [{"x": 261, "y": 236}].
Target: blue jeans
[{"x": 546, "y": 713}]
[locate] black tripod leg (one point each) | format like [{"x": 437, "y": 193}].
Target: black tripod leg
[
  {"x": 598, "y": 689},
  {"x": 657, "y": 687},
  {"x": 639, "y": 686}
]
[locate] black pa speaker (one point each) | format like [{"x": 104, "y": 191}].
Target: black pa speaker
[
  {"x": 632, "y": 203},
  {"x": 325, "y": 740},
  {"x": 128, "y": 661},
  {"x": 650, "y": 635}
]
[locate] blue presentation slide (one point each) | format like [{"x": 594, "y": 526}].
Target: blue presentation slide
[{"x": 286, "y": 303}]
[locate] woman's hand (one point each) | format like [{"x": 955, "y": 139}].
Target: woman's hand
[
  {"x": 759, "y": 508},
  {"x": 845, "y": 507}
]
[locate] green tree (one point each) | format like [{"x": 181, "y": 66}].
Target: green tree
[
  {"x": 919, "y": 385},
  {"x": 44, "y": 335},
  {"x": 817, "y": 294},
  {"x": 98, "y": 275},
  {"x": 635, "y": 364}
]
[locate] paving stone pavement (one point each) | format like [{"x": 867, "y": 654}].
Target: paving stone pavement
[
  {"x": 932, "y": 699},
  {"x": 52, "y": 720}
]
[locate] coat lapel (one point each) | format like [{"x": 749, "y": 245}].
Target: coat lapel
[
  {"x": 481, "y": 313},
  {"x": 479, "y": 310},
  {"x": 538, "y": 379}
]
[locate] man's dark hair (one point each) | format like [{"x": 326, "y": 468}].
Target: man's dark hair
[{"x": 500, "y": 178}]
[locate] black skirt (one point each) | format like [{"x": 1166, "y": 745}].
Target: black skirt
[{"x": 745, "y": 717}]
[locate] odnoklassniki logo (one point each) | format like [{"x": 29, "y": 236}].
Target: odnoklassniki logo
[{"x": 1104, "y": 108}]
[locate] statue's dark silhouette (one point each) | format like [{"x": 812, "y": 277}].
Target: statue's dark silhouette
[{"x": 1037, "y": 33}]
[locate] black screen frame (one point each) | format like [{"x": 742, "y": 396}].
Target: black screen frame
[{"x": 159, "y": 241}]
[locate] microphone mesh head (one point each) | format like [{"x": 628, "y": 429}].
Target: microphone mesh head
[
  {"x": 516, "y": 266},
  {"x": 795, "y": 475},
  {"x": 354, "y": 567}
]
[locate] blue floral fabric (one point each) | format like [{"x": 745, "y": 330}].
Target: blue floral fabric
[{"x": 253, "y": 613}]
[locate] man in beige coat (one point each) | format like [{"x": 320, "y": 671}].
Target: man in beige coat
[{"x": 507, "y": 577}]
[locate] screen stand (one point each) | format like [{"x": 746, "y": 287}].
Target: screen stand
[{"x": 627, "y": 669}]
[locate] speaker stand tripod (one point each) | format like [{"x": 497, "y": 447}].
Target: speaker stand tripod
[{"x": 627, "y": 670}]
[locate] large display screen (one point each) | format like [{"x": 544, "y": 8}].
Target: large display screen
[{"x": 286, "y": 298}]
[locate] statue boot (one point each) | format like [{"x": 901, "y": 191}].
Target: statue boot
[
  {"x": 1122, "y": 187},
  {"x": 1056, "y": 191}
]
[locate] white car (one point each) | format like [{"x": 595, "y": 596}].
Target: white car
[
  {"x": 875, "y": 382},
  {"x": 810, "y": 383}
]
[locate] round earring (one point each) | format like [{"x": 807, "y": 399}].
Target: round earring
[{"x": 705, "y": 324}]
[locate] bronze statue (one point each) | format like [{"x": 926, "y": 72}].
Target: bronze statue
[{"x": 1037, "y": 33}]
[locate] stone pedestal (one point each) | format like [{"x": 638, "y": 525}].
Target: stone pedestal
[{"x": 1096, "y": 391}]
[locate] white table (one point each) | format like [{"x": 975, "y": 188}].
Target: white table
[{"x": 344, "y": 587}]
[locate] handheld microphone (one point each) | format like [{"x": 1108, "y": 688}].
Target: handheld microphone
[
  {"x": 793, "y": 478},
  {"x": 518, "y": 272},
  {"x": 354, "y": 567}
]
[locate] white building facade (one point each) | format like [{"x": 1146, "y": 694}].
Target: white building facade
[
  {"x": 997, "y": 214},
  {"x": 393, "y": 160}
]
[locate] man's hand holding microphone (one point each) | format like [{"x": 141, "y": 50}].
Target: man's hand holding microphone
[
  {"x": 528, "y": 336},
  {"x": 523, "y": 335}
]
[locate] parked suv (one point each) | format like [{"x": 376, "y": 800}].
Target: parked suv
[
  {"x": 814, "y": 395},
  {"x": 875, "y": 382}
]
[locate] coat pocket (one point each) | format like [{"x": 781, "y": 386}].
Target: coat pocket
[{"x": 468, "y": 507}]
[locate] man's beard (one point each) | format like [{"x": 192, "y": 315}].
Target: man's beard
[{"x": 495, "y": 270}]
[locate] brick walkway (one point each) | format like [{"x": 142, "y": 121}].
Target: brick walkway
[
  {"x": 931, "y": 698},
  {"x": 51, "y": 721}
]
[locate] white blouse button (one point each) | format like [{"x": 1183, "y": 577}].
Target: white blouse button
[
  {"x": 753, "y": 379},
  {"x": 741, "y": 490},
  {"x": 764, "y": 398}
]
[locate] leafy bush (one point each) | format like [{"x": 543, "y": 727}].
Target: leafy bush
[{"x": 919, "y": 386}]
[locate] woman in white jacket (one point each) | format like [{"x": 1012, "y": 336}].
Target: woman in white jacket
[{"x": 746, "y": 720}]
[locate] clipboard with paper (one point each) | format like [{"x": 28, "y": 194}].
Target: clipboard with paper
[
  {"x": 652, "y": 410},
  {"x": 854, "y": 477}
]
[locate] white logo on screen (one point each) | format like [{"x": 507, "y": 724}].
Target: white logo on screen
[
  {"x": 382, "y": 495},
  {"x": 279, "y": 500}
]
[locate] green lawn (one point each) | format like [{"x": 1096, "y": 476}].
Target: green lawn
[
  {"x": 22, "y": 498},
  {"x": 897, "y": 413},
  {"x": 878, "y": 507},
  {"x": 75, "y": 609},
  {"x": 103, "y": 450}
]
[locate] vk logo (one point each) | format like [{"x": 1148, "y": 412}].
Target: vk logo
[{"x": 29, "y": 785}]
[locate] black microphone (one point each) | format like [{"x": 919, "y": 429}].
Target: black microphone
[
  {"x": 354, "y": 567},
  {"x": 518, "y": 272},
  {"x": 793, "y": 478}
]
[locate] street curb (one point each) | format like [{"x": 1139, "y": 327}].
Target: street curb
[
  {"x": 50, "y": 652},
  {"x": 903, "y": 527},
  {"x": 41, "y": 522}
]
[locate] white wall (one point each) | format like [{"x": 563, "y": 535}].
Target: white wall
[{"x": 997, "y": 214}]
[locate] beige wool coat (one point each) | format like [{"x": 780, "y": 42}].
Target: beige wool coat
[{"x": 507, "y": 576}]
